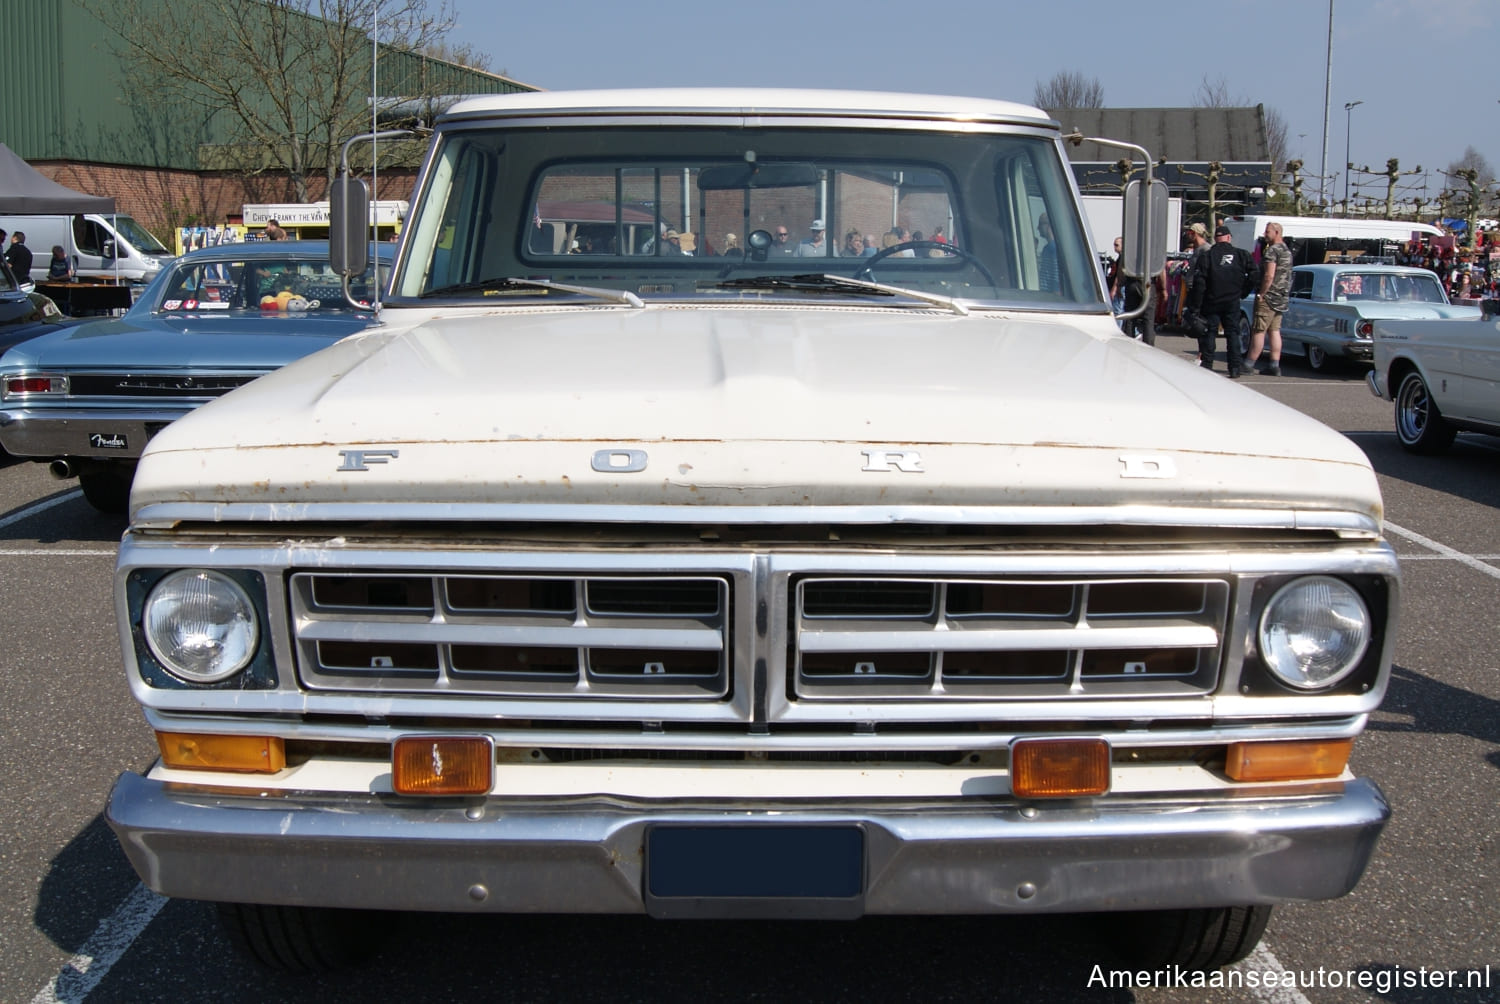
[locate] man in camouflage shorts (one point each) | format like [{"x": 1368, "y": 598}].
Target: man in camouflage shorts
[{"x": 1270, "y": 304}]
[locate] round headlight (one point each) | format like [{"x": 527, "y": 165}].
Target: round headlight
[
  {"x": 1314, "y": 632},
  {"x": 200, "y": 625}
]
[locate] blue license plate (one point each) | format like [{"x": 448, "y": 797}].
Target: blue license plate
[{"x": 754, "y": 865}]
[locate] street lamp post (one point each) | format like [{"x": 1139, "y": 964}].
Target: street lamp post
[{"x": 1349, "y": 107}]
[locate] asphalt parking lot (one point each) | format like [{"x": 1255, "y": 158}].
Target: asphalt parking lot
[{"x": 75, "y": 924}]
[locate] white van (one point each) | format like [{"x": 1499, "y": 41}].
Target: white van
[
  {"x": 103, "y": 246},
  {"x": 1314, "y": 238}
]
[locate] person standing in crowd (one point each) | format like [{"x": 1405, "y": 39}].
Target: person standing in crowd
[
  {"x": 814, "y": 246},
  {"x": 1134, "y": 290},
  {"x": 274, "y": 231},
  {"x": 783, "y": 246},
  {"x": 1114, "y": 279},
  {"x": 1223, "y": 274},
  {"x": 871, "y": 246},
  {"x": 1271, "y": 300},
  {"x": 1046, "y": 256},
  {"x": 854, "y": 245},
  {"x": 18, "y": 256}
]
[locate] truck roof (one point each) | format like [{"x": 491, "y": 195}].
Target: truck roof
[{"x": 750, "y": 102}]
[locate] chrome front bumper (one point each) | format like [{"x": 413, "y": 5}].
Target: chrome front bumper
[
  {"x": 589, "y": 855},
  {"x": 71, "y": 433}
]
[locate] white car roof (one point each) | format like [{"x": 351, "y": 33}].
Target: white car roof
[{"x": 749, "y": 101}]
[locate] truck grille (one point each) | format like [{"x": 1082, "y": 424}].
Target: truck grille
[
  {"x": 658, "y": 636},
  {"x": 957, "y": 638},
  {"x": 849, "y": 636}
]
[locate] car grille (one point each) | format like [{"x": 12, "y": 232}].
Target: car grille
[
  {"x": 847, "y": 637},
  {"x": 961, "y": 638},
  {"x": 618, "y": 636}
]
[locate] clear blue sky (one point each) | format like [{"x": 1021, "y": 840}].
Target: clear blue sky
[{"x": 1427, "y": 72}]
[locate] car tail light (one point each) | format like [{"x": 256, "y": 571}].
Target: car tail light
[
  {"x": 1365, "y": 329},
  {"x": 35, "y": 383}
]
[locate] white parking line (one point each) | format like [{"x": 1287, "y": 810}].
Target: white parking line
[
  {"x": 114, "y": 936},
  {"x": 1444, "y": 550},
  {"x": 1269, "y": 970},
  {"x": 53, "y": 552},
  {"x": 32, "y": 510}
]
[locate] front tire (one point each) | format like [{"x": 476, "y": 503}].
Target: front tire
[
  {"x": 1420, "y": 427},
  {"x": 1192, "y": 939},
  {"x": 299, "y": 939}
]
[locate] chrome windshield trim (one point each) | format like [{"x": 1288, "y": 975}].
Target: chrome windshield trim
[{"x": 165, "y": 514}]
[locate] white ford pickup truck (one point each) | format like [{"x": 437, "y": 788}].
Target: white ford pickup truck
[{"x": 646, "y": 560}]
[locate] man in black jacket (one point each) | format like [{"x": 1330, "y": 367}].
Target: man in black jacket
[
  {"x": 19, "y": 257},
  {"x": 1222, "y": 275}
]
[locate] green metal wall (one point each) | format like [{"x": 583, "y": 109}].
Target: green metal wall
[{"x": 65, "y": 96}]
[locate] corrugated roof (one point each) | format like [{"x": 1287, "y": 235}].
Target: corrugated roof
[{"x": 1181, "y": 135}]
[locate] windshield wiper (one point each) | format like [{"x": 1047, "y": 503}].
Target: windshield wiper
[
  {"x": 815, "y": 283},
  {"x": 511, "y": 282}
]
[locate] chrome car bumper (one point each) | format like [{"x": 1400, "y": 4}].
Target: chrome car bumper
[
  {"x": 108, "y": 434},
  {"x": 594, "y": 854}
]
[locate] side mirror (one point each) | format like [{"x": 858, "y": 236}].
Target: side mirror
[
  {"x": 349, "y": 226},
  {"x": 1144, "y": 228}
]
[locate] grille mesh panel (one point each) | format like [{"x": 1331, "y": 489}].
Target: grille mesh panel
[
  {"x": 966, "y": 638},
  {"x": 639, "y": 636}
]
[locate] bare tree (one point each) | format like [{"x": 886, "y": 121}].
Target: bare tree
[
  {"x": 1472, "y": 160},
  {"x": 1069, "y": 89},
  {"x": 281, "y": 82},
  {"x": 1276, "y": 137},
  {"x": 1216, "y": 94},
  {"x": 462, "y": 55}
]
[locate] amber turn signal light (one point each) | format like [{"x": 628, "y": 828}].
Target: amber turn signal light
[
  {"x": 191, "y": 751},
  {"x": 1293, "y": 760},
  {"x": 443, "y": 765},
  {"x": 1059, "y": 768}
]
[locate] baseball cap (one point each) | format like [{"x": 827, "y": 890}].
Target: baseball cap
[
  {"x": 817, "y": 225},
  {"x": 1198, "y": 229},
  {"x": 1221, "y": 231}
]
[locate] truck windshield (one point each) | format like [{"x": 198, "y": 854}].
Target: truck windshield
[{"x": 673, "y": 213}]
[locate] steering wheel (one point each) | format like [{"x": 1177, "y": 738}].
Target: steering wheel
[{"x": 866, "y": 271}]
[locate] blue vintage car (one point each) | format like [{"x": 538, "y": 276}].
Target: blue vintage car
[
  {"x": 86, "y": 399},
  {"x": 24, "y": 313},
  {"x": 1332, "y": 308}
]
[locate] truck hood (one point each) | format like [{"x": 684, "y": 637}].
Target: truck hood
[{"x": 753, "y": 406}]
